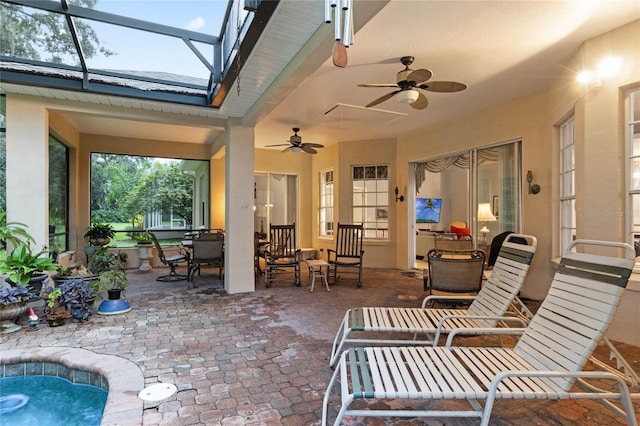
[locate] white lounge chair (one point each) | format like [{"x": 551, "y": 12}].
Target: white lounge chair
[
  {"x": 546, "y": 362},
  {"x": 487, "y": 308}
]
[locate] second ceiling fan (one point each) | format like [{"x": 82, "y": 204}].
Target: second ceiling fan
[
  {"x": 408, "y": 80},
  {"x": 296, "y": 144}
]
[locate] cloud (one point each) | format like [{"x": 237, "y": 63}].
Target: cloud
[{"x": 196, "y": 24}]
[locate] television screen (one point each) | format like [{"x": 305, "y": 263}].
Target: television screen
[{"x": 428, "y": 210}]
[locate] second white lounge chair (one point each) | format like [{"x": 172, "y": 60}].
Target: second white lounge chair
[{"x": 487, "y": 309}]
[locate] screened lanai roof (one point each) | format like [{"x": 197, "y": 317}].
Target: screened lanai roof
[{"x": 185, "y": 52}]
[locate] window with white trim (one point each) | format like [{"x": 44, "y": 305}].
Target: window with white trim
[
  {"x": 633, "y": 125},
  {"x": 567, "y": 185},
  {"x": 370, "y": 187},
  {"x": 325, "y": 209}
]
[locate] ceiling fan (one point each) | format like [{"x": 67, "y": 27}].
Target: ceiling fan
[
  {"x": 296, "y": 144},
  {"x": 409, "y": 80}
]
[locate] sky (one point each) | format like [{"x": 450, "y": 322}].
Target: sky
[{"x": 138, "y": 50}]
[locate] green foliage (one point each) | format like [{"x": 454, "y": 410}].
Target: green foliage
[
  {"x": 103, "y": 260},
  {"x": 21, "y": 264},
  {"x": 26, "y": 32},
  {"x": 53, "y": 297},
  {"x": 113, "y": 279},
  {"x": 143, "y": 238},
  {"x": 165, "y": 188},
  {"x": 14, "y": 233},
  {"x": 98, "y": 231}
]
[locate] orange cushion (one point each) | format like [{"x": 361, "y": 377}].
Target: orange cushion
[{"x": 464, "y": 231}]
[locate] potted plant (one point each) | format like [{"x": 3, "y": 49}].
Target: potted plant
[
  {"x": 98, "y": 234},
  {"x": 55, "y": 312},
  {"x": 13, "y": 304},
  {"x": 26, "y": 267},
  {"x": 145, "y": 245},
  {"x": 114, "y": 282},
  {"x": 104, "y": 260}
]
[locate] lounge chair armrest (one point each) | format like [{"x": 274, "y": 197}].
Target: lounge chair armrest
[
  {"x": 483, "y": 331},
  {"x": 481, "y": 317},
  {"x": 438, "y": 297}
]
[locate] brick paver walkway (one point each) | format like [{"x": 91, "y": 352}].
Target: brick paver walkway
[{"x": 261, "y": 358}]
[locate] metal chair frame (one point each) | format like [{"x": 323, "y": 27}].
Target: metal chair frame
[{"x": 172, "y": 262}]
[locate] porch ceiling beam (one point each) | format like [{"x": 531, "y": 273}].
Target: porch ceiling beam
[{"x": 101, "y": 88}]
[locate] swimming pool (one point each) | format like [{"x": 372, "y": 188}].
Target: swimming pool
[
  {"x": 122, "y": 378},
  {"x": 50, "y": 401}
]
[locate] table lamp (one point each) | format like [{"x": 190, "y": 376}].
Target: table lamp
[{"x": 484, "y": 216}]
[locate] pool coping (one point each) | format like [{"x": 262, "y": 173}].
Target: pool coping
[{"x": 125, "y": 379}]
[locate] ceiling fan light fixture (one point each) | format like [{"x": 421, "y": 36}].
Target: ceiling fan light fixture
[
  {"x": 408, "y": 96},
  {"x": 295, "y": 149}
]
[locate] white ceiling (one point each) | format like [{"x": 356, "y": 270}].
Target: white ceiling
[{"x": 501, "y": 49}]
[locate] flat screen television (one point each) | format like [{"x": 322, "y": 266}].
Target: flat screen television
[{"x": 428, "y": 210}]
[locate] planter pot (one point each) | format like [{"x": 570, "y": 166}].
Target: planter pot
[
  {"x": 9, "y": 314},
  {"x": 145, "y": 254},
  {"x": 61, "y": 279},
  {"x": 55, "y": 321},
  {"x": 114, "y": 294}
]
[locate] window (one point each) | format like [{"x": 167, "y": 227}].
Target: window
[
  {"x": 371, "y": 200},
  {"x": 634, "y": 165},
  {"x": 58, "y": 196},
  {"x": 158, "y": 194},
  {"x": 567, "y": 185},
  {"x": 325, "y": 214}
]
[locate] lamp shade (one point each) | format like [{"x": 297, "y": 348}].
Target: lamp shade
[
  {"x": 408, "y": 96},
  {"x": 484, "y": 213}
]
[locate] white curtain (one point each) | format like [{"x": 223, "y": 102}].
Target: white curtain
[{"x": 442, "y": 164}]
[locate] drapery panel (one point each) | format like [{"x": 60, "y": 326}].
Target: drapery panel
[{"x": 441, "y": 164}]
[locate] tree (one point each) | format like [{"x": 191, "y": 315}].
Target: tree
[
  {"x": 28, "y": 33},
  {"x": 165, "y": 188},
  {"x": 112, "y": 178}
]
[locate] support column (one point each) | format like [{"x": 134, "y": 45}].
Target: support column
[
  {"x": 239, "y": 274},
  {"x": 28, "y": 167}
]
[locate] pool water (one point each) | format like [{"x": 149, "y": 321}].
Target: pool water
[{"x": 53, "y": 401}]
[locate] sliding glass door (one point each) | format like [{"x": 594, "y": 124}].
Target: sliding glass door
[
  {"x": 275, "y": 200},
  {"x": 480, "y": 188}
]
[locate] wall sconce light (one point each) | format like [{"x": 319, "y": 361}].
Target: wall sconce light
[
  {"x": 533, "y": 188},
  {"x": 400, "y": 198}
]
